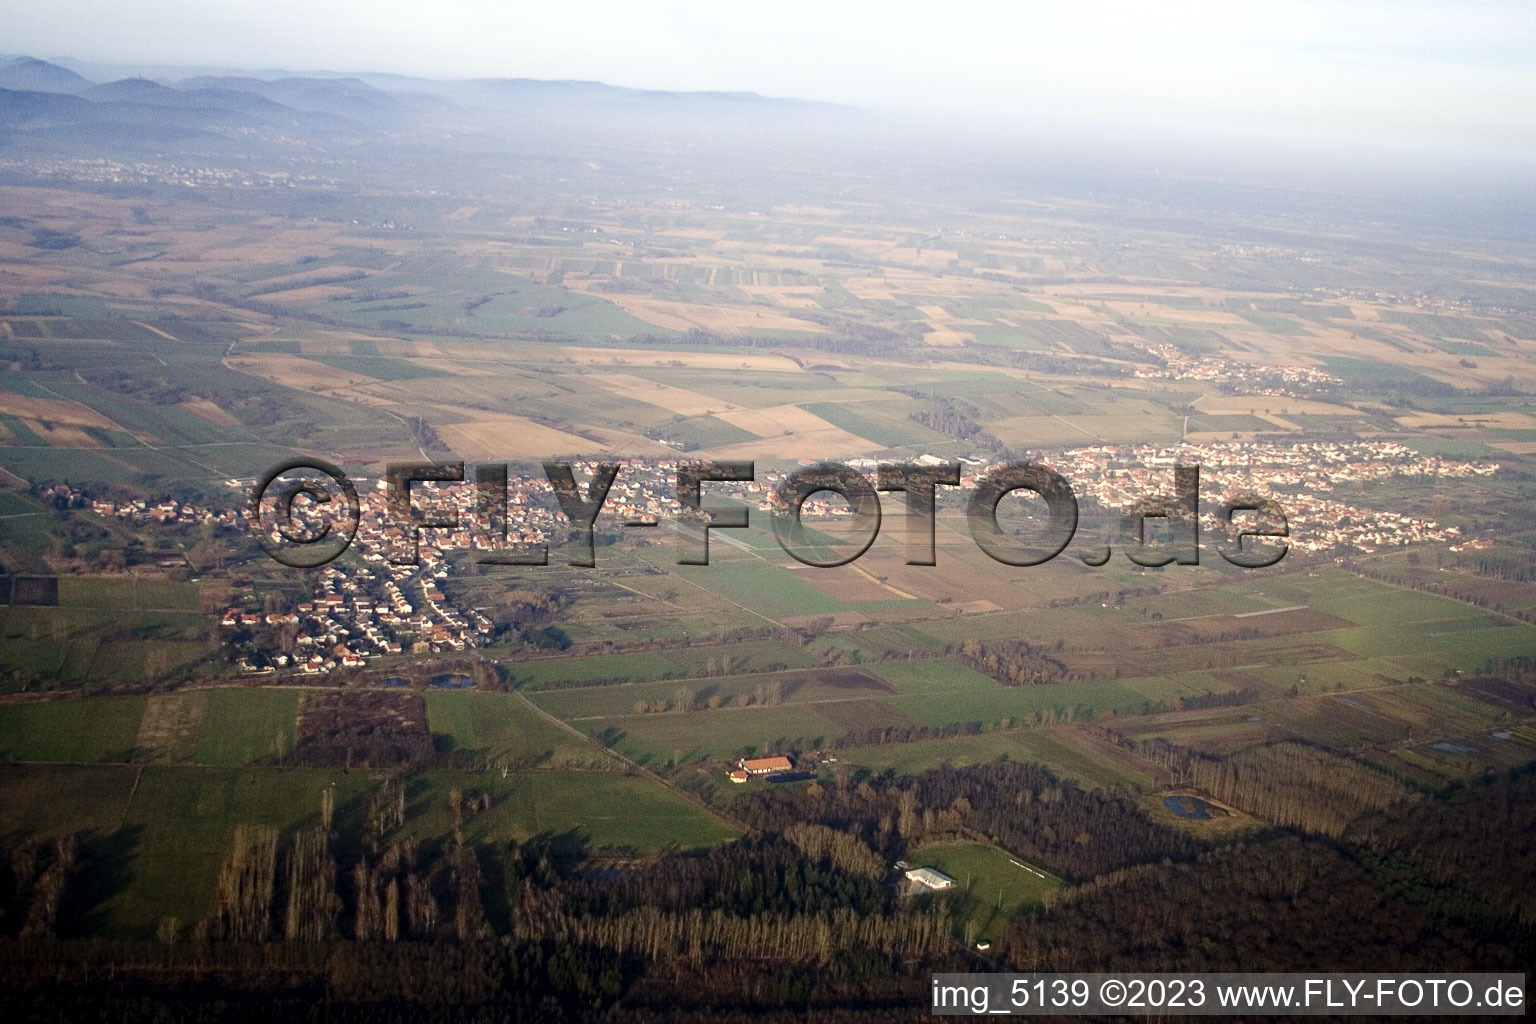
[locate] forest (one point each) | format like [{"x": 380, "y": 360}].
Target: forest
[{"x": 802, "y": 918}]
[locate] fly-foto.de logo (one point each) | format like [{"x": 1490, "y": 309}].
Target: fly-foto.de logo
[{"x": 306, "y": 512}]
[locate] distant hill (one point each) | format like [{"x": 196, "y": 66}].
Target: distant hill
[
  {"x": 576, "y": 96},
  {"x": 31, "y": 75},
  {"x": 128, "y": 90},
  {"x": 74, "y": 120},
  {"x": 279, "y": 112},
  {"x": 348, "y": 98},
  {"x": 142, "y": 90},
  {"x": 385, "y": 101}
]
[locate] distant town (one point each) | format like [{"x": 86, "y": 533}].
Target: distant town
[{"x": 369, "y": 604}]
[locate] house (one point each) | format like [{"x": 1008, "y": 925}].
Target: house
[
  {"x": 739, "y": 776},
  {"x": 765, "y": 765},
  {"x": 930, "y": 878}
]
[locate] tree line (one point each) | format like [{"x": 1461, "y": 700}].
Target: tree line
[{"x": 1290, "y": 784}]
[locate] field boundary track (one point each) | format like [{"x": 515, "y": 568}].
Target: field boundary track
[{"x": 635, "y": 766}]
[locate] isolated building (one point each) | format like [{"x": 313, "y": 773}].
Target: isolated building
[
  {"x": 765, "y": 765},
  {"x": 930, "y": 878}
]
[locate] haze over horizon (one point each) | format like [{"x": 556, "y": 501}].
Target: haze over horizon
[{"x": 1402, "y": 75}]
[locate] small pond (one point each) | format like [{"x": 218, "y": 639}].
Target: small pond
[
  {"x": 453, "y": 681},
  {"x": 1191, "y": 807}
]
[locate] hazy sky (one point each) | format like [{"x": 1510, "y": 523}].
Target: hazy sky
[{"x": 1438, "y": 75}]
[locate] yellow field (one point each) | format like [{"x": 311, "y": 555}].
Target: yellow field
[
  {"x": 498, "y": 436},
  {"x": 208, "y": 412},
  {"x": 677, "y": 400},
  {"x": 307, "y": 294},
  {"x": 297, "y": 372},
  {"x": 789, "y": 432},
  {"x": 1500, "y": 420},
  {"x": 53, "y": 410},
  {"x": 797, "y": 297},
  {"x": 61, "y": 435},
  {"x": 510, "y": 437},
  {"x": 456, "y": 367},
  {"x": 776, "y": 420},
  {"x": 151, "y": 328},
  {"x": 942, "y": 336}
]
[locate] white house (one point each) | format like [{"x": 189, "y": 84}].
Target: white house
[{"x": 930, "y": 878}]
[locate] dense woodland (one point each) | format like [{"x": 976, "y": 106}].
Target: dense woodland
[
  {"x": 1287, "y": 783},
  {"x": 1289, "y": 904},
  {"x": 1076, "y": 833},
  {"x": 1478, "y": 839},
  {"x": 802, "y": 918},
  {"x": 1014, "y": 662}
]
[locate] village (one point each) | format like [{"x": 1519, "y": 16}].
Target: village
[
  {"x": 1301, "y": 477},
  {"x": 376, "y": 602},
  {"x": 1236, "y": 377}
]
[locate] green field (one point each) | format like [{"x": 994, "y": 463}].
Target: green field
[
  {"x": 155, "y": 837},
  {"x": 991, "y": 886},
  {"x": 243, "y": 726},
  {"x": 603, "y": 810},
  {"x": 177, "y": 829},
  {"x": 55, "y": 800},
  {"x": 552, "y": 673},
  {"x": 1370, "y": 375},
  {"x": 1061, "y": 751},
  {"x": 1022, "y": 704},
  {"x": 126, "y": 592},
  {"x": 82, "y": 644},
  {"x": 795, "y": 687},
  {"x": 940, "y": 674},
  {"x": 890, "y": 431},
  {"x": 71, "y": 731},
  {"x": 763, "y": 587},
  {"x": 662, "y": 738},
  {"x": 500, "y": 728}
]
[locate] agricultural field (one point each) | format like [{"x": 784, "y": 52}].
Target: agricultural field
[
  {"x": 163, "y": 824},
  {"x": 71, "y": 732},
  {"x": 98, "y": 644},
  {"x": 178, "y": 349},
  {"x": 499, "y": 728},
  {"x": 598, "y": 811},
  {"x": 1067, "y": 752},
  {"x": 1363, "y": 650}
]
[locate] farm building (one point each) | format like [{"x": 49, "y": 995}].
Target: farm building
[
  {"x": 930, "y": 878},
  {"x": 739, "y": 776},
  {"x": 765, "y": 765}
]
